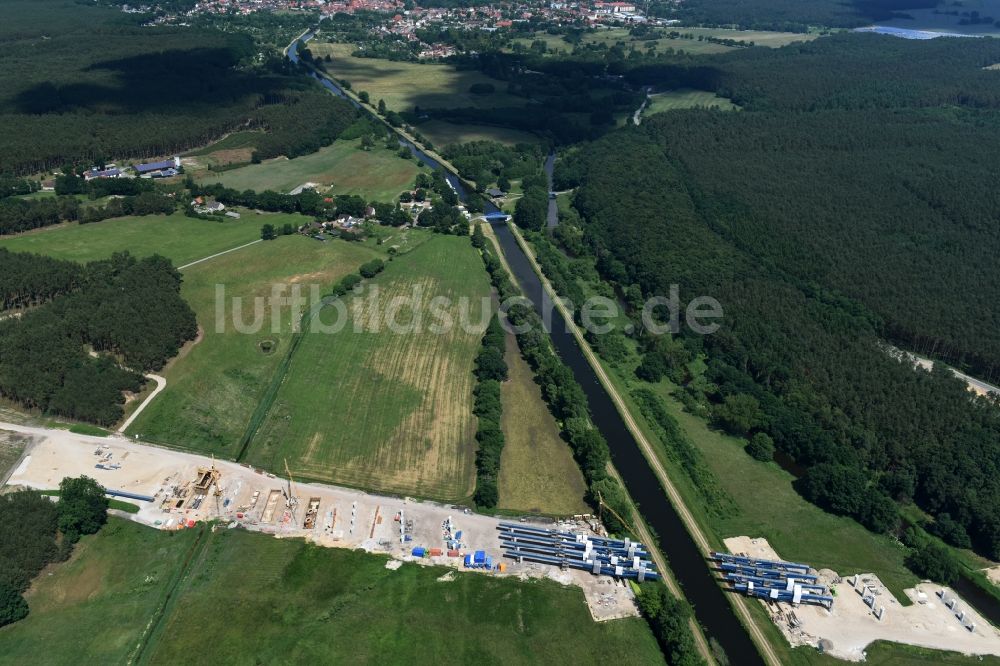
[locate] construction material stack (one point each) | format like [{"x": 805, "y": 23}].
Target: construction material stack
[
  {"x": 620, "y": 558},
  {"x": 774, "y": 580}
]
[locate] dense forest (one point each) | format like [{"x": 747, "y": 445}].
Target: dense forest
[
  {"x": 85, "y": 84},
  {"x": 825, "y": 232},
  {"x": 129, "y": 309}
]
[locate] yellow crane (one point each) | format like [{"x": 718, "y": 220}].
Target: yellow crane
[{"x": 291, "y": 488}]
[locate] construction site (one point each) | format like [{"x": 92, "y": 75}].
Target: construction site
[
  {"x": 176, "y": 490},
  {"x": 842, "y": 615}
]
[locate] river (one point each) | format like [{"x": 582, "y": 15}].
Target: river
[{"x": 712, "y": 610}]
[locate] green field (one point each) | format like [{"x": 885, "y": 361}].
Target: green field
[
  {"x": 686, "y": 99},
  {"x": 247, "y": 598},
  {"x": 179, "y": 238},
  {"x": 537, "y": 471},
  {"x": 442, "y": 133},
  {"x": 377, "y": 175},
  {"x": 234, "y": 141},
  {"x": 214, "y": 386},
  {"x": 383, "y": 410},
  {"x": 612, "y": 36},
  {"x": 404, "y": 85},
  {"x": 93, "y": 609}
]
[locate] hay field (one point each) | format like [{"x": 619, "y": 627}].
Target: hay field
[
  {"x": 687, "y": 99},
  {"x": 537, "y": 471},
  {"x": 382, "y": 410}
]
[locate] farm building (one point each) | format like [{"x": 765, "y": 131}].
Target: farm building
[
  {"x": 159, "y": 169},
  {"x": 112, "y": 172}
]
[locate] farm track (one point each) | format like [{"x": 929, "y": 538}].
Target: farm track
[{"x": 156, "y": 624}]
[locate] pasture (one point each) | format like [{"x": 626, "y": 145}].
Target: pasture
[
  {"x": 404, "y": 85},
  {"x": 537, "y": 471},
  {"x": 180, "y": 238},
  {"x": 214, "y": 385},
  {"x": 686, "y": 99},
  {"x": 383, "y": 410},
  {"x": 340, "y": 168}
]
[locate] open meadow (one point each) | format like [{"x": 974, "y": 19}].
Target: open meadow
[
  {"x": 252, "y": 597},
  {"x": 180, "y": 238},
  {"x": 442, "y": 133},
  {"x": 687, "y": 99},
  {"x": 214, "y": 385},
  {"x": 94, "y": 608},
  {"x": 612, "y": 36},
  {"x": 132, "y": 594},
  {"x": 537, "y": 471},
  {"x": 383, "y": 410},
  {"x": 340, "y": 168},
  {"x": 404, "y": 85}
]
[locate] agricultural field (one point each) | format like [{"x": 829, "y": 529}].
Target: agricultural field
[
  {"x": 537, "y": 471},
  {"x": 179, "y": 238},
  {"x": 251, "y": 598},
  {"x": 214, "y": 385},
  {"x": 442, "y": 133},
  {"x": 387, "y": 411},
  {"x": 340, "y": 168},
  {"x": 94, "y": 608},
  {"x": 404, "y": 85},
  {"x": 687, "y": 99}
]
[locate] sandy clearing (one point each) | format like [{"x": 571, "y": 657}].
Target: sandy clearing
[
  {"x": 346, "y": 518},
  {"x": 851, "y": 625}
]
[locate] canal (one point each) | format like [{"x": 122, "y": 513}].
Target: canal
[{"x": 712, "y": 610}]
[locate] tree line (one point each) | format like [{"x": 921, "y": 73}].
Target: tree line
[{"x": 490, "y": 372}]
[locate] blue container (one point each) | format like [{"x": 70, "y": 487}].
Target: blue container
[
  {"x": 458, "y": 535},
  {"x": 419, "y": 551},
  {"x": 480, "y": 557},
  {"x": 489, "y": 562},
  {"x": 468, "y": 561}
]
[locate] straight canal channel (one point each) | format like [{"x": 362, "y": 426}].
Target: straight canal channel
[{"x": 687, "y": 562}]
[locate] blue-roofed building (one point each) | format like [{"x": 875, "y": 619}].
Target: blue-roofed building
[
  {"x": 155, "y": 167},
  {"x": 102, "y": 173}
]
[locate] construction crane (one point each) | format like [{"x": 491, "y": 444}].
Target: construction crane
[{"x": 291, "y": 490}]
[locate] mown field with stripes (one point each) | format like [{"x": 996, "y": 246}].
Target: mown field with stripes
[{"x": 381, "y": 409}]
